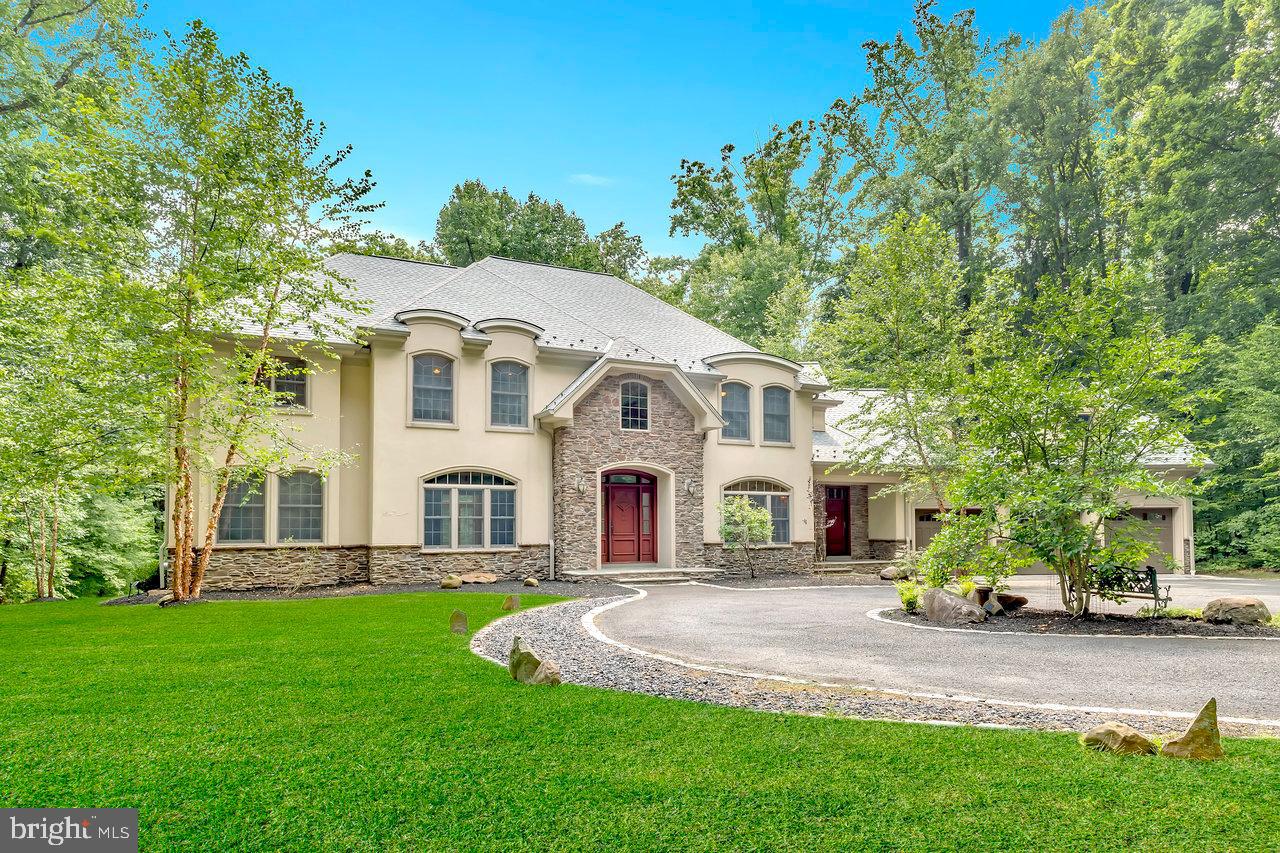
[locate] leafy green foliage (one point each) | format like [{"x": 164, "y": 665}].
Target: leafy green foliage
[
  {"x": 910, "y": 594},
  {"x": 744, "y": 526}
]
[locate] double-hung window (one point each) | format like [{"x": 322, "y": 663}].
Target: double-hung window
[
  {"x": 508, "y": 394},
  {"x": 244, "y": 512},
  {"x": 468, "y": 509},
  {"x": 777, "y": 415},
  {"x": 771, "y": 496},
  {"x": 300, "y": 508},
  {"x": 735, "y": 406},
  {"x": 433, "y": 389}
]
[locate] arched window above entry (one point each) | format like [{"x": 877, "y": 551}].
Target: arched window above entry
[{"x": 634, "y": 400}]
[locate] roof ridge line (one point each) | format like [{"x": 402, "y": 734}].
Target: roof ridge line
[{"x": 523, "y": 289}]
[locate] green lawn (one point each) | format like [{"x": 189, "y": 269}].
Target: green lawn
[{"x": 361, "y": 723}]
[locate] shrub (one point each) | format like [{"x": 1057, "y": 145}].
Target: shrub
[
  {"x": 967, "y": 586},
  {"x": 909, "y": 593},
  {"x": 1172, "y": 612}
]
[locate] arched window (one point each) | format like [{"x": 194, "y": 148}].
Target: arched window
[
  {"x": 635, "y": 405},
  {"x": 508, "y": 394},
  {"x": 777, "y": 414},
  {"x": 300, "y": 508},
  {"x": 244, "y": 512},
  {"x": 735, "y": 406},
  {"x": 433, "y": 389},
  {"x": 770, "y": 496},
  {"x": 468, "y": 509}
]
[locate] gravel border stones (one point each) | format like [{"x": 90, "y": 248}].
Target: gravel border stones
[
  {"x": 1028, "y": 621},
  {"x": 555, "y": 632}
]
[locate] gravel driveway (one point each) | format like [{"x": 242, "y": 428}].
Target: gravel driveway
[{"x": 823, "y": 634}]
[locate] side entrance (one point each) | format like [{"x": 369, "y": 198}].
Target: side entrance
[{"x": 628, "y": 517}]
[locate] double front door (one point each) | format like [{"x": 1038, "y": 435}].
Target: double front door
[{"x": 628, "y": 528}]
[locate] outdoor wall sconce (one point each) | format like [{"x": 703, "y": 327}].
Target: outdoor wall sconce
[
  {"x": 689, "y": 485},
  {"x": 580, "y": 484}
]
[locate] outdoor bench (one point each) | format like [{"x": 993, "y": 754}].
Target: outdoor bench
[{"x": 1129, "y": 583}]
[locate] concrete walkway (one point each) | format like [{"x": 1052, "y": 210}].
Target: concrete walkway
[{"x": 823, "y": 634}]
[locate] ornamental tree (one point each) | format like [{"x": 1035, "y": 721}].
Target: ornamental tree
[{"x": 744, "y": 526}]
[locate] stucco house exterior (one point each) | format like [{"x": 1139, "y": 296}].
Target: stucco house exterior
[{"x": 532, "y": 420}]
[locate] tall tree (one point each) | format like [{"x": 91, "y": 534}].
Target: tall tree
[
  {"x": 246, "y": 204},
  {"x": 388, "y": 245}
]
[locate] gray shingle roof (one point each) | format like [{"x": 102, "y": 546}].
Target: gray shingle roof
[{"x": 577, "y": 309}]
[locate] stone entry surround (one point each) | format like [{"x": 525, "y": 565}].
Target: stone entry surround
[
  {"x": 596, "y": 442},
  {"x": 860, "y": 547}
]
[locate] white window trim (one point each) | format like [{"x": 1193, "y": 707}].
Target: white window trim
[
  {"x": 750, "y": 439},
  {"x": 648, "y": 405},
  {"x": 290, "y": 408},
  {"x": 453, "y": 547},
  {"x": 490, "y": 426},
  {"x": 791, "y": 418},
  {"x": 271, "y": 517},
  {"x": 409, "y": 419}
]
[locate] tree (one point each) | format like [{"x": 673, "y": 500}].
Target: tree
[
  {"x": 1073, "y": 396},
  {"x": 901, "y": 329},
  {"x": 744, "y": 526},
  {"x": 732, "y": 288},
  {"x": 389, "y": 246},
  {"x": 1056, "y": 191},
  {"x": 245, "y": 206}
]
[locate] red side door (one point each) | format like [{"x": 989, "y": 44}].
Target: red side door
[{"x": 837, "y": 511}]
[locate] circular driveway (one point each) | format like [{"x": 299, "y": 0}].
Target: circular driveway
[{"x": 823, "y": 634}]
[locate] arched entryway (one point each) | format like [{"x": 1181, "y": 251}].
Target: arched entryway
[{"x": 628, "y": 517}]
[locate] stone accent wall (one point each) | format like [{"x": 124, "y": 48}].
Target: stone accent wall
[
  {"x": 886, "y": 549},
  {"x": 859, "y": 522},
  {"x": 254, "y": 568},
  {"x": 797, "y": 559},
  {"x": 408, "y": 564},
  {"x": 597, "y": 441}
]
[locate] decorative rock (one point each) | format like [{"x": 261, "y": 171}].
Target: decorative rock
[
  {"x": 993, "y": 607},
  {"x": 1237, "y": 610},
  {"x": 895, "y": 572},
  {"x": 950, "y": 609},
  {"x": 531, "y": 582},
  {"x": 1118, "y": 738},
  {"x": 527, "y": 668},
  {"x": 458, "y": 622},
  {"x": 512, "y": 602},
  {"x": 1011, "y": 603},
  {"x": 451, "y": 582},
  {"x": 1201, "y": 740},
  {"x": 479, "y": 577}
]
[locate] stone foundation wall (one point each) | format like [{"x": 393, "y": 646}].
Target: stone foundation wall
[
  {"x": 886, "y": 549},
  {"x": 797, "y": 559},
  {"x": 596, "y": 441},
  {"x": 253, "y": 568},
  {"x": 408, "y": 564}
]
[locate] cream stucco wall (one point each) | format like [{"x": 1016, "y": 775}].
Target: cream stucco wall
[
  {"x": 788, "y": 464},
  {"x": 403, "y": 452}
]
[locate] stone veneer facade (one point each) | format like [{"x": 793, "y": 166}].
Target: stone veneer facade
[
  {"x": 797, "y": 559},
  {"x": 596, "y": 441},
  {"x": 409, "y": 564},
  {"x": 294, "y": 566}
]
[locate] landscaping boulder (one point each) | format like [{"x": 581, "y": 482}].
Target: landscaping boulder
[
  {"x": 1011, "y": 603},
  {"x": 527, "y": 668},
  {"x": 1118, "y": 738},
  {"x": 450, "y": 582},
  {"x": 479, "y": 577},
  {"x": 531, "y": 582},
  {"x": 458, "y": 622},
  {"x": 512, "y": 602},
  {"x": 895, "y": 573},
  {"x": 1237, "y": 610},
  {"x": 993, "y": 607},
  {"x": 950, "y": 609},
  {"x": 1201, "y": 740}
]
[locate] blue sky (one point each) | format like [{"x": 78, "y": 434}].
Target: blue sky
[{"x": 591, "y": 103}]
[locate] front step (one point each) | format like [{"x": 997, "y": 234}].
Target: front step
[
  {"x": 635, "y": 574},
  {"x": 851, "y": 567}
]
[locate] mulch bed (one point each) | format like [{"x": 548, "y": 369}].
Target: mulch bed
[{"x": 1055, "y": 622}]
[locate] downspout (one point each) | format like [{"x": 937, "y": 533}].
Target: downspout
[{"x": 551, "y": 502}]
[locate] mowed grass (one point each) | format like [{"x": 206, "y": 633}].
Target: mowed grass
[{"x": 363, "y": 724}]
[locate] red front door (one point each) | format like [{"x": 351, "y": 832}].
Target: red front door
[
  {"x": 837, "y": 510},
  {"x": 629, "y": 528}
]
